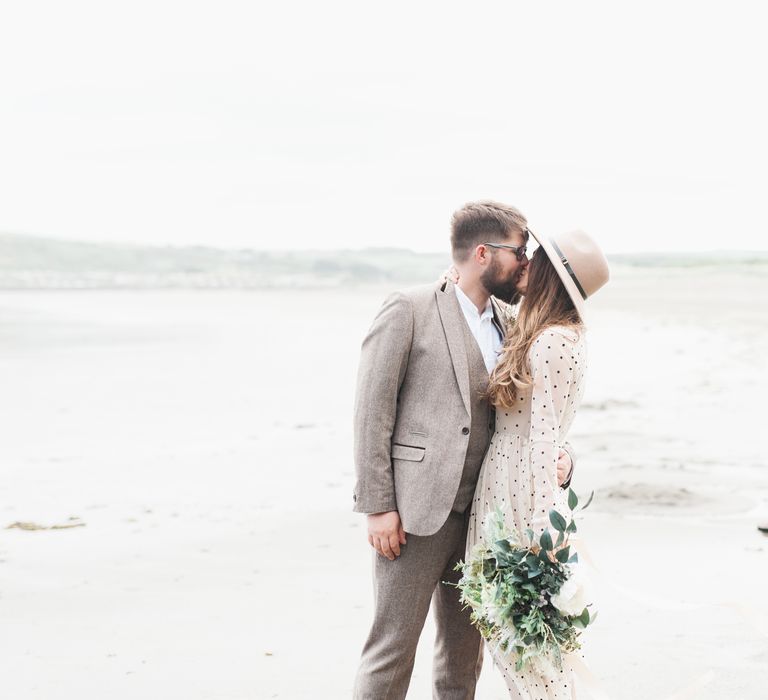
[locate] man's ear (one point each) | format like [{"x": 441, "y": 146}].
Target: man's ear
[{"x": 482, "y": 255}]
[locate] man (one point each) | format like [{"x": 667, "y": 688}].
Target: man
[{"x": 422, "y": 426}]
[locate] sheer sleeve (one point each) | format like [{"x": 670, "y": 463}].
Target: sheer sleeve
[{"x": 553, "y": 381}]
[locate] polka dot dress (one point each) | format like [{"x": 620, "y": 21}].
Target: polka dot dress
[{"x": 519, "y": 472}]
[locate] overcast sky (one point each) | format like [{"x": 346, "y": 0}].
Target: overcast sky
[{"x": 330, "y": 124}]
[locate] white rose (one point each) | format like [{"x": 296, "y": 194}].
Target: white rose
[
  {"x": 573, "y": 596},
  {"x": 487, "y": 603}
]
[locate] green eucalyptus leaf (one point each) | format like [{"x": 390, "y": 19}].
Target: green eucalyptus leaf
[
  {"x": 589, "y": 500},
  {"x": 558, "y": 656},
  {"x": 562, "y": 554},
  {"x": 545, "y": 540},
  {"x": 532, "y": 561},
  {"x": 530, "y": 534},
  {"x": 573, "y": 499},
  {"x": 584, "y": 617},
  {"x": 557, "y": 520},
  {"x": 571, "y": 526},
  {"x": 574, "y": 559},
  {"x": 560, "y": 539}
]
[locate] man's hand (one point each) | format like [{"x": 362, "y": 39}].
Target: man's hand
[
  {"x": 564, "y": 467},
  {"x": 386, "y": 534}
]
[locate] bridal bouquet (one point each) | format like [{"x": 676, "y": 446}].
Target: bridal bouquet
[{"x": 528, "y": 597}]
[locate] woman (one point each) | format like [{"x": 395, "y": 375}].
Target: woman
[{"x": 536, "y": 388}]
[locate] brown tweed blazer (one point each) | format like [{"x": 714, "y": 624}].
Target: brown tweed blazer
[{"x": 412, "y": 407}]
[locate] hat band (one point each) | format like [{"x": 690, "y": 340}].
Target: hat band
[{"x": 568, "y": 268}]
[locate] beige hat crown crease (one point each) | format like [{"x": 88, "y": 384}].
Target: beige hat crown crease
[{"x": 585, "y": 260}]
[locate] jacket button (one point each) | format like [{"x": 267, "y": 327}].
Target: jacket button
[{"x": 465, "y": 431}]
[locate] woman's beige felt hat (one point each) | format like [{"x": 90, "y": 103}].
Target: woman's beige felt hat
[{"x": 579, "y": 262}]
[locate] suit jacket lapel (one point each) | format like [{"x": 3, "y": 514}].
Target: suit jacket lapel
[{"x": 450, "y": 316}]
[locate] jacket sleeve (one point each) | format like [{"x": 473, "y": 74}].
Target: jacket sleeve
[
  {"x": 383, "y": 363},
  {"x": 552, "y": 384}
]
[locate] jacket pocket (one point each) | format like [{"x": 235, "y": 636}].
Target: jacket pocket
[{"x": 407, "y": 452}]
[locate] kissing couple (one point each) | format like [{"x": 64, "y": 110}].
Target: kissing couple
[{"x": 463, "y": 407}]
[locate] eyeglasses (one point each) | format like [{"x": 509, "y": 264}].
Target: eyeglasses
[{"x": 519, "y": 250}]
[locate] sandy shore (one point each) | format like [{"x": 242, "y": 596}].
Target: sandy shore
[{"x": 203, "y": 440}]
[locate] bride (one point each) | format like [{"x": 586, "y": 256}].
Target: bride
[{"x": 536, "y": 388}]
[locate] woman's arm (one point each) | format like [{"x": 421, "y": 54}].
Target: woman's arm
[{"x": 552, "y": 373}]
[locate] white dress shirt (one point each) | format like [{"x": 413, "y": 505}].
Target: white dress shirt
[{"x": 483, "y": 329}]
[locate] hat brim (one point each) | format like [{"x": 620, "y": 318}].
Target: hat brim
[{"x": 565, "y": 277}]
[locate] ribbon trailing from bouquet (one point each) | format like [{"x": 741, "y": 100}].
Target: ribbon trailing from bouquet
[{"x": 689, "y": 692}]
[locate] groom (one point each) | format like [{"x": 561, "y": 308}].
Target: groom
[{"x": 422, "y": 426}]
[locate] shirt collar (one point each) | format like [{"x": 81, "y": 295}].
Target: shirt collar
[{"x": 468, "y": 306}]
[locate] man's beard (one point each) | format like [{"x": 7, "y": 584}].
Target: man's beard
[{"x": 495, "y": 283}]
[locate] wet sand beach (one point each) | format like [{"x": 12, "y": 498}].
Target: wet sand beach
[{"x": 176, "y": 522}]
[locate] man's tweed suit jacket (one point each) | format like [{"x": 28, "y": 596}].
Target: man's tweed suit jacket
[{"x": 412, "y": 407}]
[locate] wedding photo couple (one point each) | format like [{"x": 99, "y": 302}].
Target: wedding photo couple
[
  {"x": 466, "y": 392},
  {"x": 350, "y": 353}
]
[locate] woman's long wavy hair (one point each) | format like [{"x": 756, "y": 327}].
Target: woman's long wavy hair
[{"x": 546, "y": 303}]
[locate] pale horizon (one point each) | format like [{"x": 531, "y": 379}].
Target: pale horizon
[{"x": 354, "y": 249}]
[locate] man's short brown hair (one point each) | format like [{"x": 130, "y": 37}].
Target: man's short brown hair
[{"x": 483, "y": 222}]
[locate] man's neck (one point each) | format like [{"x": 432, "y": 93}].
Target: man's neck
[{"x": 475, "y": 291}]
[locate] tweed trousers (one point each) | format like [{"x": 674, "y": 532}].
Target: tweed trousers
[{"x": 403, "y": 590}]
